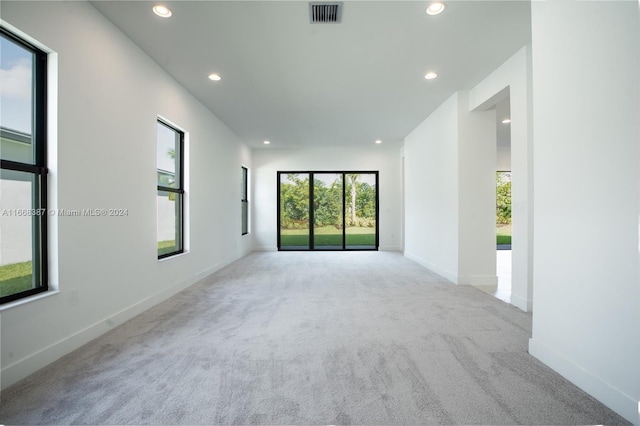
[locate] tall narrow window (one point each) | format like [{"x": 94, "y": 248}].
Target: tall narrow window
[
  {"x": 23, "y": 171},
  {"x": 244, "y": 200},
  {"x": 170, "y": 189}
]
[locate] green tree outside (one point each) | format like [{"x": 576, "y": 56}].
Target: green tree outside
[
  {"x": 503, "y": 207},
  {"x": 503, "y": 198},
  {"x": 294, "y": 202}
]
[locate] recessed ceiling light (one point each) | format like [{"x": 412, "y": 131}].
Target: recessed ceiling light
[
  {"x": 435, "y": 8},
  {"x": 215, "y": 77},
  {"x": 430, "y": 75},
  {"x": 506, "y": 121},
  {"x": 266, "y": 142},
  {"x": 378, "y": 141},
  {"x": 162, "y": 11}
]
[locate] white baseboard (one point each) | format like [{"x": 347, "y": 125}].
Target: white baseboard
[
  {"x": 482, "y": 280},
  {"x": 448, "y": 275},
  {"x": 521, "y": 303},
  {"x": 613, "y": 398},
  {"x": 390, "y": 248},
  {"x": 478, "y": 280},
  {"x": 265, "y": 248},
  {"x": 30, "y": 364}
]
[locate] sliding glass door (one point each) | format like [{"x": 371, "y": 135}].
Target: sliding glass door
[
  {"x": 361, "y": 193},
  {"x": 293, "y": 224},
  {"x": 328, "y": 210}
]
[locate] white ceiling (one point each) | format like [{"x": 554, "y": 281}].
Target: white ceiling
[{"x": 301, "y": 84}]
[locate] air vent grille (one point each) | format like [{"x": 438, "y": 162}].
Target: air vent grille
[{"x": 325, "y": 13}]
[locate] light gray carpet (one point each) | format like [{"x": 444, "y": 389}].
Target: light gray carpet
[{"x": 310, "y": 338}]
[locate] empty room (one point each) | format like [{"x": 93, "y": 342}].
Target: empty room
[{"x": 294, "y": 212}]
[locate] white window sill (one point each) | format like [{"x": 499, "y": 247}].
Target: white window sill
[{"x": 25, "y": 300}]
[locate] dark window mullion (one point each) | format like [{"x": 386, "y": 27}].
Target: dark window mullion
[
  {"x": 279, "y": 209},
  {"x": 377, "y": 211},
  {"x": 344, "y": 212},
  {"x": 40, "y": 112},
  {"x": 311, "y": 213},
  {"x": 180, "y": 231},
  {"x": 181, "y": 159},
  {"x": 44, "y": 245},
  {"x": 15, "y": 296},
  {"x": 22, "y": 167},
  {"x": 169, "y": 189}
]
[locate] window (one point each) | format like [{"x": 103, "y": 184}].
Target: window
[
  {"x": 170, "y": 169},
  {"x": 328, "y": 210},
  {"x": 244, "y": 201},
  {"x": 23, "y": 171}
]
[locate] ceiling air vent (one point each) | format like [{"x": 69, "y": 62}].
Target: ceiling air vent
[{"x": 325, "y": 13}]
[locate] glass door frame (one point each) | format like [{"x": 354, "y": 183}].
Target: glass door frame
[{"x": 311, "y": 246}]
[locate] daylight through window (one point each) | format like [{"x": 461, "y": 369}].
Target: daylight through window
[
  {"x": 244, "y": 201},
  {"x": 170, "y": 198},
  {"x": 23, "y": 171}
]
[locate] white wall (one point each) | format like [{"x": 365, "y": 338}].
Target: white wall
[
  {"x": 476, "y": 195},
  {"x": 513, "y": 79},
  {"x": 431, "y": 191},
  {"x": 106, "y": 268},
  {"x": 450, "y": 162},
  {"x": 585, "y": 97},
  {"x": 386, "y": 160},
  {"x": 503, "y": 133},
  {"x": 503, "y": 159}
]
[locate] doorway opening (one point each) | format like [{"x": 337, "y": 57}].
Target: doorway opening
[
  {"x": 328, "y": 210},
  {"x": 503, "y": 200},
  {"x": 503, "y": 210}
]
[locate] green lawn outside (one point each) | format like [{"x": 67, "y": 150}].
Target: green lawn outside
[
  {"x": 15, "y": 278},
  {"x": 328, "y": 236},
  {"x": 503, "y": 234},
  {"x": 168, "y": 246}
]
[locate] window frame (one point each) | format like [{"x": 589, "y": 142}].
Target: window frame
[
  {"x": 39, "y": 241},
  {"x": 179, "y": 190},
  {"x": 311, "y": 176},
  {"x": 244, "y": 201}
]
